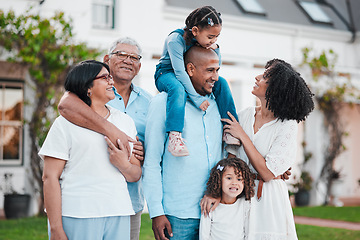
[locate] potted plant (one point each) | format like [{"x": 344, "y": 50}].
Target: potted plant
[
  {"x": 336, "y": 187},
  {"x": 16, "y": 205},
  {"x": 302, "y": 188}
]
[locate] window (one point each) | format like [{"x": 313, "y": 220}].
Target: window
[
  {"x": 251, "y": 6},
  {"x": 314, "y": 12},
  {"x": 103, "y": 14},
  {"x": 11, "y": 122}
]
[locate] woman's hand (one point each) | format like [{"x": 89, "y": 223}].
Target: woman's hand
[
  {"x": 129, "y": 167},
  {"x": 286, "y": 175},
  {"x": 208, "y": 204},
  {"x": 118, "y": 156},
  {"x": 233, "y": 127},
  {"x": 116, "y": 134},
  {"x": 58, "y": 234}
]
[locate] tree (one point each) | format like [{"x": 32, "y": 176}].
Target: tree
[
  {"x": 46, "y": 47},
  {"x": 332, "y": 91}
]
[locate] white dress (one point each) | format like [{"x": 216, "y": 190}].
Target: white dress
[
  {"x": 226, "y": 222},
  {"x": 271, "y": 218}
]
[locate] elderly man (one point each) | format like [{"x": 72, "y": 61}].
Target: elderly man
[
  {"x": 173, "y": 186},
  {"x": 124, "y": 62}
]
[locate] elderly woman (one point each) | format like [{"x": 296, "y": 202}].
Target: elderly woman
[
  {"x": 268, "y": 133},
  {"x": 85, "y": 175}
]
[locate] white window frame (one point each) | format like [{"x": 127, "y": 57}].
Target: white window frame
[
  {"x": 251, "y": 7},
  {"x": 107, "y": 8},
  {"x": 12, "y": 123},
  {"x": 314, "y": 12}
]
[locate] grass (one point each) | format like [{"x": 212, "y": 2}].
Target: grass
[
  {"x": 24, "y": 229},
  {"x": 350, "y": 214},
  {"x": 146, "y": 232},
  {"x": 306, "y": 232},
  {"x": 35, "y": 228}
]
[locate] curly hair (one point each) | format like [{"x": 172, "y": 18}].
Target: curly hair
[
  {"x": 287, "y": 94},
  {"x": 201, "y": 17},
  {"x": 214, "y": 184}
]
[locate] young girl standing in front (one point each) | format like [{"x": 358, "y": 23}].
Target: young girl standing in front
[
  {"x": 231, "y": 181},
  {"x": 203, "y": 27}
]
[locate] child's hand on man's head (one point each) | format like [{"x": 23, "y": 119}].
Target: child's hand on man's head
[{"x": 214, "y": 46}]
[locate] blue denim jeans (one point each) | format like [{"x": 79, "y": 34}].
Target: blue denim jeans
[
  {"x": 184, "y": 229},
  {"x": 165, "y": 80}
]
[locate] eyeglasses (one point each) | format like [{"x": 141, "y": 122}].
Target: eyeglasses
[
  {"x": 121, "y": 55},
  {"x": 106, "y": 77}
]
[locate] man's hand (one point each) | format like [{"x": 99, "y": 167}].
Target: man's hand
[
  {"x": 208, "y": 204},
  {"x": 138, "y": 151},
  {"x": 159, "y": 224}
]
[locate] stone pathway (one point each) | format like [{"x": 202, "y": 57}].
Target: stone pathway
[{"x": 327, "y": 223}]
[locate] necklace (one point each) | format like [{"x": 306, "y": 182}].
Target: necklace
[{"x": 108, "y": 113}]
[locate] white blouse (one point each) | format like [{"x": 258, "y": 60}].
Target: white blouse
[
  {"x": 276, "y": 141},
  {"x": 271, "y": 217}
]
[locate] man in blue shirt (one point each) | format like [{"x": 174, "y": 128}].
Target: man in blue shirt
[
  {"x": 124, "y": 62},
  {"x": 174, "y": 186}
]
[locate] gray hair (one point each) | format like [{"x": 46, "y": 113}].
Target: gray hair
[{"x": 125, "y": 40}]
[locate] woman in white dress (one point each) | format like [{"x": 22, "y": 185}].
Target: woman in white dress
[
  {"x": 268, "y": 133},
  {"x": 85, "y": 190}
]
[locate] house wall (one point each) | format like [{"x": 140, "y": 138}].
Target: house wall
[
  {"x": 245, "y": 44},
  {"x": 348, "y": 163}
]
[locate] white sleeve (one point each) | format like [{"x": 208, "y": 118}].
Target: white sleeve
[
  {"x": 247, "y": 206},
  {"x": 282, "y": 152},
  {"x": 57, "y": 143},
  {"x": 205, "y": 226}
]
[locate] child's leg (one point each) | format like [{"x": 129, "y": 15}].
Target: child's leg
[
  {"x": 224, "y": 98},
  {"x": 225, "y": 104},
  {"x": 175, "y": 106},
  {"x": 175, "y": 112}
]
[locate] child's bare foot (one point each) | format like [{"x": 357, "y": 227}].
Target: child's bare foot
[
  {"x": 176, "y": 145},
  {"x": 204, "y": 106}
]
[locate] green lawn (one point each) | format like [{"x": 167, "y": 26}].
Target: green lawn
[
  {"x": 24, "y": 229},
  {"x": 35, "y": 228},
  {"x": 306, "y": 232},
  {"x": 350, "y": 214}
]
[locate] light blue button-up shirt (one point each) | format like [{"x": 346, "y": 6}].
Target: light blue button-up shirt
[
  {"x": 175, "y": 185},
  {"x": 136, "y": 108}
]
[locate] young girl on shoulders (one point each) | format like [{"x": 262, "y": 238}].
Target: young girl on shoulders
[
  {"x": 203, "y": 27},
  {"x": 231, "y": 181}
]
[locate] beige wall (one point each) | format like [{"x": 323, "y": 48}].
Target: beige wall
[{"x": 349, "y": 161}]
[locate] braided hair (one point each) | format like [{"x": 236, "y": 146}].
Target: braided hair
[
  {"x": 201, "y": 17},
  {"x": 214, "y": 184},
  {"x": 287, "y": 94}
]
